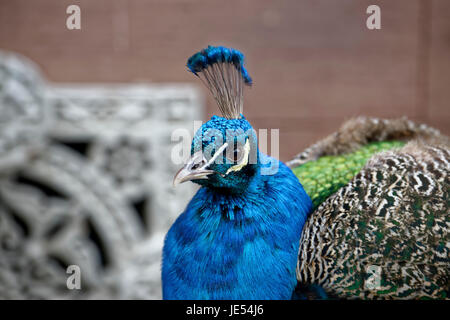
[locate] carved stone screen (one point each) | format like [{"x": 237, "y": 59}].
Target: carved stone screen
[{"x": 86, "y": 180}]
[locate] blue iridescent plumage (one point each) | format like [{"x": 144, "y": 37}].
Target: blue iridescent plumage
[{"x": 238, "y": 238}]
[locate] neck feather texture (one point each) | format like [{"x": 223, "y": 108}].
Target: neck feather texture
[{"x": 237, "y": 246}]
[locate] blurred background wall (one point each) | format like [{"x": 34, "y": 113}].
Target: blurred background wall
[
  {"x": 85, "y": 139},
  {"x": 314, "y": 63}
]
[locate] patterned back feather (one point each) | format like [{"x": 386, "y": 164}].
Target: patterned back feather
[{"x": 392, "y": 216}]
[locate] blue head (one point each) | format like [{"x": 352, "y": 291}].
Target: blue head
[{"x": 224, "y": 151}]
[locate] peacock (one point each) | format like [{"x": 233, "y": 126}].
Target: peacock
[{"x": 363, "y": 213}]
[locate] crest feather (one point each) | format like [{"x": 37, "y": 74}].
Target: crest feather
[{"x": 223, "y": 73}]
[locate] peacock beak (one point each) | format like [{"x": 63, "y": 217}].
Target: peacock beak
[
  {"x": 197, "y": 167},
  {"x": 194, "y": 169}
]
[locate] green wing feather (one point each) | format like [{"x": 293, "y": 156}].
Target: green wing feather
[{"x": 323, "y": 177}]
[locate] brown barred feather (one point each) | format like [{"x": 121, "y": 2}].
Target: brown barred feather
[
  {"x": 385, "y": 234},
  {"x": 362, "y": 130}
]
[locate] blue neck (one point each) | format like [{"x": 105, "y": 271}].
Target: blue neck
[{"x": 237, "y": 246}]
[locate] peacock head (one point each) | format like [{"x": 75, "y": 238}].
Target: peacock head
[{"x": 224, "y": 151}]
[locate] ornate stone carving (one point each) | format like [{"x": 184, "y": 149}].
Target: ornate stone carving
[
  {"x": 90, "y": 186},
  {"x": 23, "y": 117}
]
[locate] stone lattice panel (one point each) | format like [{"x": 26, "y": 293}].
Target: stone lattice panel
[{"x": 89, "y": 183}]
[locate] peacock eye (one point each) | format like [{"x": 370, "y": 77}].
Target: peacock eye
[{"x": 236, "y": 153}]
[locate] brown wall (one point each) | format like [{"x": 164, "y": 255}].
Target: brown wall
[{"x": 314, "y": 63}]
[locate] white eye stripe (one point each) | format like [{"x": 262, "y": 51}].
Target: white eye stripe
[
  {"x": 218, "y": 153},
  {"x": 244, "y": 161}
]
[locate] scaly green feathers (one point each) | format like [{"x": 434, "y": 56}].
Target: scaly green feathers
[{"x": 324, "y": 176}]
